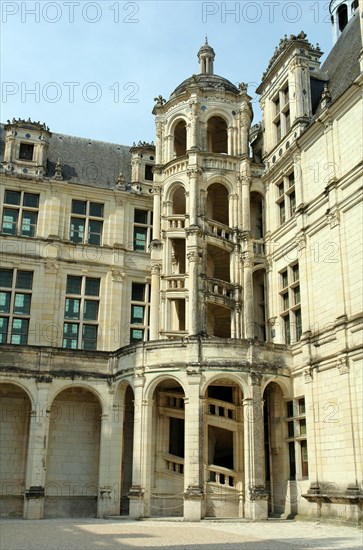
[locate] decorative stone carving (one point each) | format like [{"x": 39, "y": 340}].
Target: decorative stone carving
[
  {"x": 333, "y": 218},
  {"x": 160, "y": 101},
  {"x": 343, "y": 365},
  {"x": 300, "y": 241},
  {"x": 193, "y": 491},
  {"x": 117, "y": 275},
  {"x": 308, "y": 374},
  {"x": 258, "y": 492},
  {"x": 136, "y": 491},
  {"x": 255, "y": 378}
]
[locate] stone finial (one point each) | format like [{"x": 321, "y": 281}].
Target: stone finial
[
  {"x": 120, "y": 184},
  {"x": 242, "y": 86},
  {"x": 58, "y": 176},
  {"x": 326, "y": 97},
  {"x": 160, "y": 101}
]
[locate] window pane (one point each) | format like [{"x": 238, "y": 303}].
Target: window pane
[
  {"x": 287, "y": 329},
  {"x": 136, "y": 335},
  {"x": 297, "y": 295},
  {"x": 26, "y": 151},
  {"x": 302, "y": 406},
  {"x": 70, "y": 335},
  {"x": 92, "y": 287},
  {"x": 140, "y": 216},
  {"x": 89, "y": 337},
  {"x": 22, "y": 304},
  {"x": 30, "y": 199},
  {"x": 295, "y": 272},
  {"x": 6, "y": 278},
  {"x": 29, "y": 224},
  {"x": 77, "y": 230},
  {"x": 290, "y": 409},
  {"x": 5, "y": 302},
  {"x": 282, "y": 212},
  {"x": 24, "y": 279},
  {"x": 292, "y": 460},
  {"x": 303, "y": 427},
  {"x": 137, "y": 315},
  {"x": 74, "y": 284},
  {"x": 284, "y": 279},
  {"x": 138, "y": 292},
  {"x": 3, "y": 329},
  {"x": 90, "y": 310},
  {"x": 10, "y": 220},
  {"x": 79, "y": 207},
  {"x": 12, "y": 197},
  {"x": 290, "y": 429},
  {"x": 94, "y": 232},
  {"x": 140, "y": 238},
  {"x": 285, "y": 299},
  {"x": 19, "y": 332},
  {"x": 72, "y": 308},
  {"x": 96, "y": 209}
]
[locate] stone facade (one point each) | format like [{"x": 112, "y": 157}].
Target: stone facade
[{"x": 182, "y": 321}]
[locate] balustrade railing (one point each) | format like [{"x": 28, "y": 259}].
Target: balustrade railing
[
  {"x": 221, "y": 288},
  {"x": 258, "y": 247},
  {"x": 175, "y": 282},
  {"x": 176, "y": 222},
  {"x": 219, "y": 230},
  {"x": 222, "y": 409},
  {"x": 222, "y": 476},
  {"x": 174, "y": 464}
]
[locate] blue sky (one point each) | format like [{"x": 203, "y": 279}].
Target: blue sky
[{"x": 92, "y": 69}]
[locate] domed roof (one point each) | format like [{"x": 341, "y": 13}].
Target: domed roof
[{"x": 206, "y": 81}]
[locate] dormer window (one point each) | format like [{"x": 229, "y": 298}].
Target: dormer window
[{"x": 26, "y": 151}]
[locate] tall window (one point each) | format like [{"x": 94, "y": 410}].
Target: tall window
[
  {"x": 140, "y": 312},
  {"x": 86, "y": 222},
  {"x": 286, "y": 198},
  {"x": 296, "y": 438},
  {"x": 142, "y": 229},
  {"x": 20, "y": 213},
  {"x": 80, "y": 327},
  {"x": 291, "y": 304},
  {"x": 281, "y": 113},
  {"x": 15, "y": 298}
]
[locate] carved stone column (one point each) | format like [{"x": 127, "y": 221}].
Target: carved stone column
[
  {"x": 154, "y": 301},
  {"x": 248, "y": 295},
  {"x": 256, "y": 506},
  {"x": 36, "y": 457},
  {"x": 136, "y": 493},
  {"x": 193, "y": 196},
  {"x": 193, "y": 461},
  {"x": 193, "y": 312},
  {"x": 156, "y": 215}
]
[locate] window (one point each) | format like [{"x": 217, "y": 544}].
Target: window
[
  {"x": 139, "y": 321},
  {"x": 15, "y": 300},
  {"x": 86, "y": 222},
  {"x": 296, "y": 438},
  {"x": 149, "y": 172},
  {"x": 291, "y": 304},
  {"x": 20, "y": 213},
  {"x": 281, "y": 113},
  {"x": 286, "y": 198},
  {"x": 142, "y": 229},
  {"x": 80, "y": 327},
  {"x": 26, "y": 151}
]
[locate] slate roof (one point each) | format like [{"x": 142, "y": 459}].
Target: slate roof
[
  {"x": 342, "y": 65},
  {"x": 206, "y": 81},
  {"x": 85, "y": 161}
]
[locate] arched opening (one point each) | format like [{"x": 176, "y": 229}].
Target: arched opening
[
  {"x": 180, "y": 139},
  {"x": 167, "y": 452},
  {"x": 257, "y": 215},
  {"x": 179, "y": 201},
  {"x": 217, "y": 138},
  {"x": 15, "y": 410},
  {"x": 217, "y": 204},
  {"x": 276, "y": 460},
  {"x": 73, "y": 455},
  {"x": 127, "y": 450},
  {"x": 218, "y": 321},
  {"x": 342, "y": 16},
  {"x": 224, "y": 449},
  {"x": 259, "y": 305}
]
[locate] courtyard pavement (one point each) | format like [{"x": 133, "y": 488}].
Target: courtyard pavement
[{"x": 98, "y": 534}]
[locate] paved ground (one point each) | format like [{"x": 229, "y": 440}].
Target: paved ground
[{"x": 99, "y": 534}]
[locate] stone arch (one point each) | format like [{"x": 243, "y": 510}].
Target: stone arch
[
  {"x": 178, "y": 135},
  {"x": 257, "y": 214},
  {"x": 152, "y": 384},
  {"x": 227, "y": 376},
  {"x": 69, "y": 385},
  {"x": 223, "y": 446},
  {"x": 15, "y": 410},
  {"x": 217, "y": 134},
  {"x": 71, "y": 488},
  {"x": 217, "y": 203},
  {"x": 166, "y": 461}
]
